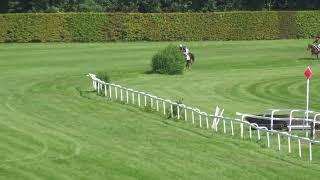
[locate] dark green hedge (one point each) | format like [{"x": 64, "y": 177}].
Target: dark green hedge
[
  {"x": 32, "y": 28},
  {"x": 92, "y": 27},
  {"x": 308, "y": 23}
]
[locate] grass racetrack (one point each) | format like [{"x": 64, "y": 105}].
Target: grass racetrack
[{"x": 52, "y": 126}]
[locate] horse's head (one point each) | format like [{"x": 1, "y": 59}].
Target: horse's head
[
  {"x": 313, "y": 48},
  {"x": 309, "y": 47}
]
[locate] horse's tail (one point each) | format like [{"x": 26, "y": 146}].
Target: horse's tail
[{"x": 192, "y": 57}]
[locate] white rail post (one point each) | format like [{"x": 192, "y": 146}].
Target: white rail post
[
  {"x": 310, "y": 150},
  {"x": 272, "y": 113},
  {"x": 105, "y": 90},
  {"x": 164, "y": 107},
  {"x": 121, "y": 94},
  {"x": 231, "y": 123},
  {"x": 171, "y": 110},
  {"x": 224, "y": 126},
  {"x": 299, "y": 144},
  {"x": 241, "y": 126},
  {"x": 145, "y": 100},
  {"x": 200, "y": 120},
  {"x": 139, "y": 100},
  {"x": 268, "y": 139},
  {"x": 185, "y": 114},
  {"x": 207, "y": 120},
  {"x": 178, "y": 111},
  {"x": 157, "y": 102},
  {"x": 127, "y": 96},
  {"x": 110, "y": 91},
  {"x": 250, "y": 131},
  {"x": 116, "y": 92},
  {"x": 215, "y": 119},
  {"x": 289, "y": 144},
  {"x": 132, "y": 96},
  {"x": 218, "y": 119},
  {"x": 279, "y": 143},
  {"x": 290, "y": 120},
  {"x": 192, "y": 114},
  {"x": 259, "y": 137}
]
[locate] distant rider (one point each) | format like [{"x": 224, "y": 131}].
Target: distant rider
[
  {"x": 316, "y": 43},
  {"x": 185, "y": 51}
]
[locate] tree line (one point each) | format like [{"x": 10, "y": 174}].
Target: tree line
[{"x": 153, "y": 6}]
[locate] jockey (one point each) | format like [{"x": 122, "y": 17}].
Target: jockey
[
  {"x": 317, "y": 43},
  {"x": 185, "y": 51}
]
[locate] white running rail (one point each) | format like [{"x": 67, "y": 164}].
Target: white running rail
[{"x": 138, "y": 98}]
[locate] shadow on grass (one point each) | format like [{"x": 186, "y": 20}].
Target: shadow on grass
[
  {"x": 148, "y": 72},
  {"x": 308, "y": 59},
  {"x": 84, "y": 93}
]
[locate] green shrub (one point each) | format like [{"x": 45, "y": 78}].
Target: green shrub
[
  {"x": 174, "y": 113},
  {"x": 168, "y": 61},
  {"x": 104, "y": 76}
]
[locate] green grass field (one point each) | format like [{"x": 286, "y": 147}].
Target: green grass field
[{"x": 52, "y": 126}]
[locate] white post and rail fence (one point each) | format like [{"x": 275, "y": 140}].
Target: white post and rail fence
[{"x": 207, "y": 120}]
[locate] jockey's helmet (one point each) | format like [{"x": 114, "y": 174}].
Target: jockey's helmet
[{"x": 180, "y": 46}]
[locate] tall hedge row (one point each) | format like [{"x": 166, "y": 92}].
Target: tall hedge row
[
  {"x": 308, "y": 23},
  {"x": 92, "y": 27},
  {"x": 32, "y": 28}
]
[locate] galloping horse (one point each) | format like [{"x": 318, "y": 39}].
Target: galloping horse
[
  {"x": 191, "y": 61},
  {"x": 314, "y": 50}
]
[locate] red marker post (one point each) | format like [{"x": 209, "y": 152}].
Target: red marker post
[{"x": 308, "y": 75}]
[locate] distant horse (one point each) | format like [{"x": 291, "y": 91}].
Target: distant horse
[
  {"x": 191, "y": 61},
  {"x": 314, "y": 50}
]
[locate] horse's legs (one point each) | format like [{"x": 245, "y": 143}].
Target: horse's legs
[{"x": 188, "y": 65}]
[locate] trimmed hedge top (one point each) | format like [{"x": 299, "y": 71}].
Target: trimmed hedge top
[{"x": 93, "y": 27}]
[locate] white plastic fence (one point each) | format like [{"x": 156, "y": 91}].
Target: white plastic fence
[
  {"x": 138, "y": 98},
  {"x": 304, "y": 126}
]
